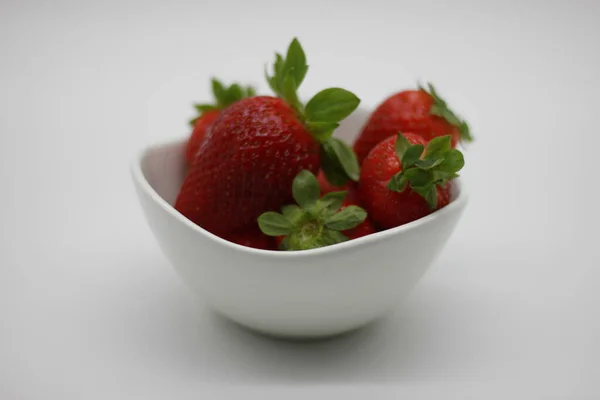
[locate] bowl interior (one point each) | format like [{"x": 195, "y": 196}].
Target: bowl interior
[{"x": 164, "y": 167}]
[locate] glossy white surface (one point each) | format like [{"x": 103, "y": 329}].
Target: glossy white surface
[
  {"x": 307, "y": 294},
  {"x": 91, "y": 309}
]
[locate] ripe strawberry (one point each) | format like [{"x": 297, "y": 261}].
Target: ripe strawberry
[
  {"x": 252, "y": 237},
  {"x": 399, "y": 182},
  {"x": 315, "y": 222},
  {"x": 327, "y": 187},
  {"x": 418, "y": 111},
  {"x": 251, "y": 155},
  {"x": 208, "y": 113}
]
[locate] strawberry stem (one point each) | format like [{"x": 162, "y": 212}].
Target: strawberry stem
[
  {"x": 440, "y": 109},
  {"x": 316, "y": 222},
  {"x": 321, "y": 115},
  {"x": 423, "y": 169},
  {"x": 223, "y": 96}
]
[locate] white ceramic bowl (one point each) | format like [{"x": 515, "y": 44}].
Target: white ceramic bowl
[{"x": 311, "y": 293}]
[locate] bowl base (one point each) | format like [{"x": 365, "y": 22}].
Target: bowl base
[{"x": 294, "y": 337}]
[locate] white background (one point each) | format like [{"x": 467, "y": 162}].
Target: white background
[{"x": 90, "y": 309}]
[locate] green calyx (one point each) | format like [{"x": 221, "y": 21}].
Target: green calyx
[
  {"x": 321, "y": 115},
  {"x": 224, "y": 96},
  {"x": 313, "y": 222},
  {"x": 441, "y": 109},
  {"x": 425, "y": 168}
]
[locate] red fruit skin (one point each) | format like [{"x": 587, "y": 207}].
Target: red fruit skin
[
  {"x": 246, "y": 165},
  {"x": 407, "y": 111},
  {"x": 252, "y": 237},
  {"x": 386, "y": 208},
  {"x": 327, "y": 187},
  {"x": 201, "y": 126}
]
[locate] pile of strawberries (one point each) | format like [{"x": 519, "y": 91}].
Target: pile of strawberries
[{"x": 266, "y": 172}]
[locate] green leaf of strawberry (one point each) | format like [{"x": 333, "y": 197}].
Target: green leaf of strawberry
[
  {"x": 331, "y": 167},
  {"x": 305, "y": 189},
  {"x": 440, "y": 108},
  {"x": 224, "y": 96},
  {"x": 291, "y": 211},
  {"x": 428, "y": 163},
  {"x": 202, "y": 108},
  {"x": 407, "y": 153},
  {"x": 321, "y": 115},
  {"x": 218, "y": 90},
  {"x": 289, "y": 91},
  {"x": 295, "y": 61},
  {"x": 437, "y": 146},
  {"x": 333, "y": 200},
  {"x": 348, "y": 218},
  {"x": 452, "y": 161},
  {"x": 274, "y": 81},
  {"x": 331, "y": 105},
  {"x": 339, "y": 162},
  {"x": 429, "y": 193},
  {"x": 440, "y": 163},
  {"x": 233, "y": 94},
  {"x": 314, "y": 222},
  {"x": 284, "y": 244},
  {"x": 402, "y": 145},
  {"x": 274, "y": 224},
  {"x": 288, "y": 74},
  {"x": 332, "y": 237},
  {"x": 417, "y": 177},
  {"x": 398, "y": 183},
  {"x": 322, "y": 131}
]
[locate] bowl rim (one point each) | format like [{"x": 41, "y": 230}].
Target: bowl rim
[{"x": 138, "y": 175}]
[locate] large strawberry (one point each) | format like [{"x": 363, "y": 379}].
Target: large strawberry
[
  {"x": 208, "y": 113},
  {"x": 327, "y": 187},
  {"x": 252, "y": 237},
  {"x": 251, "y": 155},
  {"x": 418, "y": 111},
  {"x": 401, "y": 180},
  {"x": 315, "y": 222}
]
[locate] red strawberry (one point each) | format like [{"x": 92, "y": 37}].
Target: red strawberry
[
  {"x": 417, "y": 111},
  {"x": 327, "y": 187},
  {"x": 402, "y": 181},
  {"x": 201, "y": 125},
  {"x": 252, "y": 237},
  {"x": 208, "y": 113},
  {"x": 315, "y": 222},
  {"x": 251, "y": 155}
]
